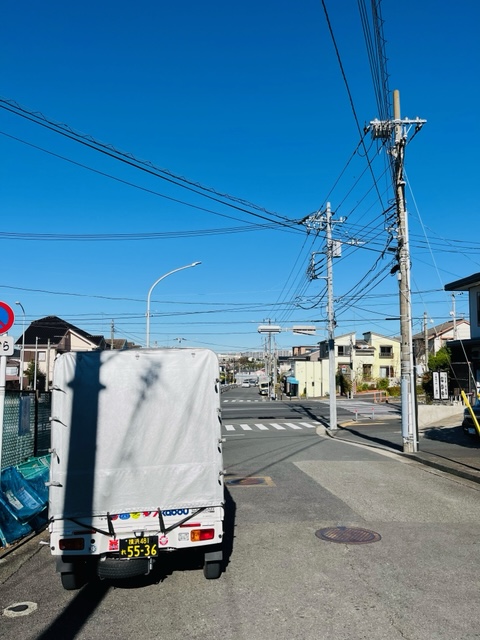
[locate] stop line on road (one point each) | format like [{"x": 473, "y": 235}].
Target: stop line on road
[
  {"x": 270, "y": 426},
  {"x": 240, "y": 400}
]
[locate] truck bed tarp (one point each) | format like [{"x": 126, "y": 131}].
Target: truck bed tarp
[{"x": 135, "y": 431}]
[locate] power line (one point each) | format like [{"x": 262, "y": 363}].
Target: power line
[{"x": 145, "y": 166}]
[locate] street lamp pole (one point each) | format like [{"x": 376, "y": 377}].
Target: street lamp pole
[
  {"x": 22, "y": 357},
  {"x": 187, "y": 266}
]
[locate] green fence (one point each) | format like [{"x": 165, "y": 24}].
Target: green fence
[{"x": 26, "y": 427}]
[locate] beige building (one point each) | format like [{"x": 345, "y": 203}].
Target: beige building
[{"x": 360, "y": 361}]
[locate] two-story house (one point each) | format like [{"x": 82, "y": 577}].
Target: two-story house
[
  {"x": 361, "y": 361},
  {"x": 47, "y": 337},
  {"x": 431, "y": 339}
]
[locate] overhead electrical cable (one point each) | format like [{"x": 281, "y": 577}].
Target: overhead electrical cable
[
  {"x": 271, "y": 225},
  {"x": 350, "y": 97},
  {"x": 145, "y": 166}
]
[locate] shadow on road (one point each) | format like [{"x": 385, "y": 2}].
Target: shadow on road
[
  {"x": 452, "y": 435},
  {"x": 72, "y": 619},
  {"x": 369, "y": 438}
]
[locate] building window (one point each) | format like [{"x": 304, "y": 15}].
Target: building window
[
  {"x": 386, "y": 372},
  {"x": 367, "y": 371},
  {"x": 343, "y": 350},
  {"x": 386, "y": 351}
]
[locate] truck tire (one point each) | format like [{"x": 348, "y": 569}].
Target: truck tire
[
  {"x": 71, "y": 581},
  {"x": 116, "y": 569},
  {"x": 212, "y": 570}
]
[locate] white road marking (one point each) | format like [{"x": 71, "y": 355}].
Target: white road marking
[{"x": 262, "y": 427}]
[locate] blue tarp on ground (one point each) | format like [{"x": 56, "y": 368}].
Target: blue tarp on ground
[{"x": 23, "y": 499}]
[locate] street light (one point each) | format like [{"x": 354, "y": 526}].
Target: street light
[
  {"x": 187, "y": 266},
  {"x": 22, "y": 357}
]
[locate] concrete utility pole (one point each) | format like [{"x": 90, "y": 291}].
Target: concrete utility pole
[
  {"x": 270, "y": 358},
  {"x": 398, "y": 128},
  {"x": 425, "y": 338},
  {"x": 453, "y": 313},
  {"x": 333, "y": 250},
  {"x": 332, "y": 385}
]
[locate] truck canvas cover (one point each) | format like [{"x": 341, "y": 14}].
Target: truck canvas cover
[{"x": 135, "y": 431}]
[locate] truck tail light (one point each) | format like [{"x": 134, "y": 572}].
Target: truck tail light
[
  {"x": 197, "y": 535},
  {"x": 72, "y": 544}
]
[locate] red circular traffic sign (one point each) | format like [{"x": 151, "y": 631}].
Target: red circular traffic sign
[{"x": 7, "y": 317}]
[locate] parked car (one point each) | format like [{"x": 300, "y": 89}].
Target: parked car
[
  {"x": 246, "y": 383},
  {"x": 467, "y": 424}
]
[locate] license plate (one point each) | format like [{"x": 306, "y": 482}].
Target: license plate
[
  {"x": 146, "y": 547},
  {"x": 471, "y": 431}
]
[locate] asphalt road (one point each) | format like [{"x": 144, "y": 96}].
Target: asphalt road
[
  {"x": 246, "y": 403},
  {"x": 416, "y": 576}
]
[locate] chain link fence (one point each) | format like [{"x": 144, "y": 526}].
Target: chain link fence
[{"x": 26, "y": 426}]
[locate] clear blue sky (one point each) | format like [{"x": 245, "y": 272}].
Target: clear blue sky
[{"x": 248, "y": 98}]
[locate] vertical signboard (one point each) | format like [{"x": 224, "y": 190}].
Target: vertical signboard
[
  {"x": 440, "y": 385},
  {"x": 436, "y": 385},
  {"x": 443, "y": 385}
]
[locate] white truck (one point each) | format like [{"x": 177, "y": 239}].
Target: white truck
[
  {"x": 264, "y": 385},
  {"x": 136, "y": 465}
]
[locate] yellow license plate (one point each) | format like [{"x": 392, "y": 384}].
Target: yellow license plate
[{"x": 145, "y": 547}]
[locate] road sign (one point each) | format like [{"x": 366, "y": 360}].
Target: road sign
[
  {"x": 7, "y": 317},
  {"x": 269, "y": 328},
  {"x": 6, "y": 346}
]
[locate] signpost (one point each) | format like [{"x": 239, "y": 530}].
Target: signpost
[{"x": 7, "y": 318}]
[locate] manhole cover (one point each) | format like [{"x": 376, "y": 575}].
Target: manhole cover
[
  {"x": 20, "y": 609},
  {"x": 348, "y": 535}
]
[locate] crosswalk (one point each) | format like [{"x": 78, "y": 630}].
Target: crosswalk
[{"x": 271, "y": 426}]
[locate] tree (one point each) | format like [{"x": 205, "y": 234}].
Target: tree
[
  {"x": 30, "y": 373},
  {"x": 440, "y": 361}
]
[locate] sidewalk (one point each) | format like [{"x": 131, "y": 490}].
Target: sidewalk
[{"x": 442, "y": 444}]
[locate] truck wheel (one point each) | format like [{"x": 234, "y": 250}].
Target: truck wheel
[
  {"x": 116, "y": 569},
  {"x": 212, "y": 570},
  {"x": 71, "y": 581}
]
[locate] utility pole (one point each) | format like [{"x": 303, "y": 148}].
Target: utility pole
[
  {"x": 333, "y": 250},
  {"x": 112, "y": 333},
  {"x": 453, "y": 313},
  {"x": 270, "y": 359},
  {"x": 425, "y": 338},
  {"x": 332, "y": 386},
  {"x": 398, "y": 128},
  {"x": 274, "y": 364}
]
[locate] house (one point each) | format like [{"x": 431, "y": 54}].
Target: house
[
  {"x": 432, "y": 339},
  {"x": 44, "y": 339},
  {"x": 360, "y": 361}
]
